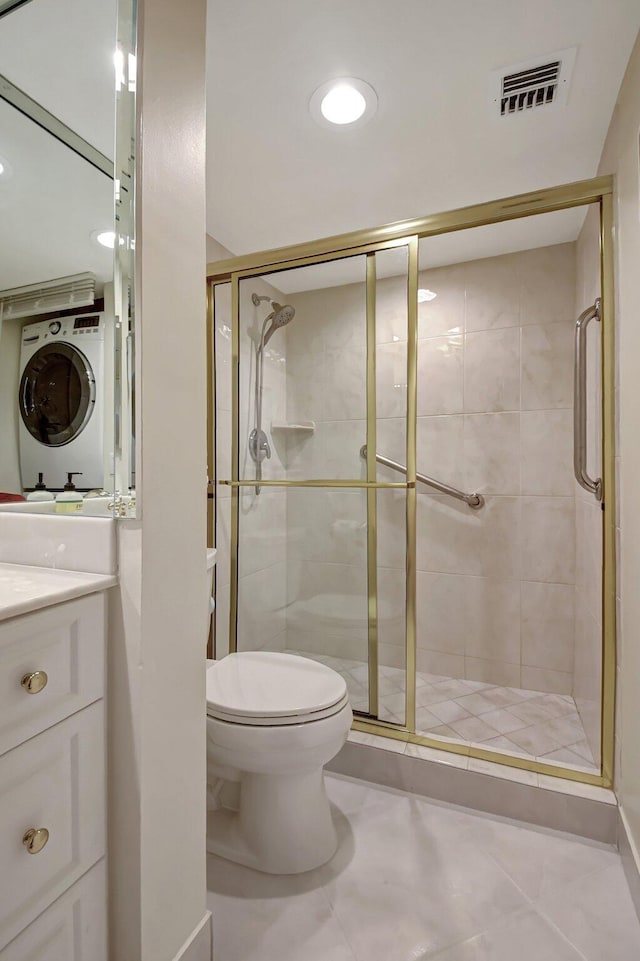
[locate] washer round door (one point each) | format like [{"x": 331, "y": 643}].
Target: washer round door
[{"x": 57, "y": 394}]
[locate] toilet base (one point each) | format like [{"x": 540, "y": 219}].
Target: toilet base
[{"x": 283, "y": 824}]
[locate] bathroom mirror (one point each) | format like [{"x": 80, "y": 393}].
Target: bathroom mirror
[{"x": 67, "y": 109}]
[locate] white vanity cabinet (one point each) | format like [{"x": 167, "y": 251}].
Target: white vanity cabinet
[
  {"x": 52, "y": 783},
  {"x": 74, "y": 928},
  {"x": 60, "y": 647}
]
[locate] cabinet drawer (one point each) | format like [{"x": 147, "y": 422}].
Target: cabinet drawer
[
  {"x": 74, "y": 928},
  {"x": 66, "y": 642},
  {"x": 55, "y": 781}
]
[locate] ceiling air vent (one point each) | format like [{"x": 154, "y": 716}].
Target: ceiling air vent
[
  {"x": 78, "y": 290},
  {"x": 542, "y": 82},
  {"x": 529, "y": 88}
]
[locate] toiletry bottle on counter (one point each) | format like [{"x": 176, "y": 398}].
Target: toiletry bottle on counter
[
  {"x": 40, "y": 492},
  {"x": 69, "y": 501}
]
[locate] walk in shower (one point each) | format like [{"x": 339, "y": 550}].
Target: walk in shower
[{"x": 411, "y": 453}]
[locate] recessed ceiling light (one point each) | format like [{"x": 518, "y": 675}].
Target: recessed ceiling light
[
  {"x": 1, "y": 168},
  {"x": 106, "y": 238},
  {"x": 345, "y": 102},
  {"x": 425, "y": 294},
  {"x": 5, "y": 168}
]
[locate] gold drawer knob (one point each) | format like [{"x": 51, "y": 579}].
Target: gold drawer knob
[
  {"x": 35, "y": 682},
  {"x": 35, "y": 839}
]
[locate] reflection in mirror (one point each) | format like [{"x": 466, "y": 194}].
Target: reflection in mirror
[
  {"x": 61, "y": 304},
  {"x": 124, "y": 287}
]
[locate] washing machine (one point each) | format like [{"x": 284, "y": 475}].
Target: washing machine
[{"x": 61, "y": 401}]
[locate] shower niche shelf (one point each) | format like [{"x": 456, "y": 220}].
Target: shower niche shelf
[{"x": 299, "y": 427}]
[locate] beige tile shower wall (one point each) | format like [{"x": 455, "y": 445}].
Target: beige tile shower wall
[
  {"x": 496, "y": 586},
  {"x": 262, "y": 529},
  {"x": 327, "y": 529},
  {"x": 587, "y": 663}
]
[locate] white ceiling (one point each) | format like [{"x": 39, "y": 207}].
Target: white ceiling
[
  {"x": 61, "y": 54},
  {"x": 275, "y": 177},
  {"x": 49, "y": 207}
]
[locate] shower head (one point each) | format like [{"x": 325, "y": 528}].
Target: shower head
[{"x": 279, "y": 317}]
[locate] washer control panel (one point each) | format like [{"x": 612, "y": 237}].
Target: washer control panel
[{"x": 82, "y": 325}]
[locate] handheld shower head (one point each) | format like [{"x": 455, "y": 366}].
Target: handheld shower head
[{"x": 279, "y": 317}]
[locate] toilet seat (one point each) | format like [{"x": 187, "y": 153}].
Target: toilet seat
[{"x": 265, "y": 688}]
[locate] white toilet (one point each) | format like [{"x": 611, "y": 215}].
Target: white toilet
[{"x": 273, "y": 721}]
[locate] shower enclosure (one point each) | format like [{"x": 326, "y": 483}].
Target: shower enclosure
[{"x": 411, "y": 453}]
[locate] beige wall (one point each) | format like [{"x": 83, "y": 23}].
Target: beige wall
[
  {"x": 620, "y": 157},
  {"x": 157, "y": 633},
  {"x": 215, "y": 250}
]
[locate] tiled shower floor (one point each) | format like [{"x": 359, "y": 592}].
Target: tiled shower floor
[{"x": 544, "y": 726}]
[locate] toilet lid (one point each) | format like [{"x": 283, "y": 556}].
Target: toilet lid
[{"x": 258, "y": 685}]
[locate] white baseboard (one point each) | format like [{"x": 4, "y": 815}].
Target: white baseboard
[
  {"x": 630, "y": 859},
  {"x": 199, "y": 944}
]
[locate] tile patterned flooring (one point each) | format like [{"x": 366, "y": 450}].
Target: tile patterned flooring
[
  {"x": 545, "y": 726},
  {"x": 416, "y": 880}
]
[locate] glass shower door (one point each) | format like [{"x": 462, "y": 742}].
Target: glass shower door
[
  {"x": 510, "y": 613},
  {"x": 398, "y": 496},
  {"x": 316, "y": 366}
]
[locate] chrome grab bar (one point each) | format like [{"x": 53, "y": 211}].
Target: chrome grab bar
[
  {"x": 580, "y": 402},
  {"x": 475, "y": 501}
]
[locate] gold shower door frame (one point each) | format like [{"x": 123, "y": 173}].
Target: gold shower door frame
[
  {"x": 370, "y": 485},
  {"x": 368, "y": 242}
]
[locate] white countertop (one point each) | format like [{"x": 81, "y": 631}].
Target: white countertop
[{"x": 24, "y": 589}]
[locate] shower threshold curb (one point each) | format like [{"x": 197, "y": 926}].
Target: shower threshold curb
[{"x": 550, "y": 802}]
